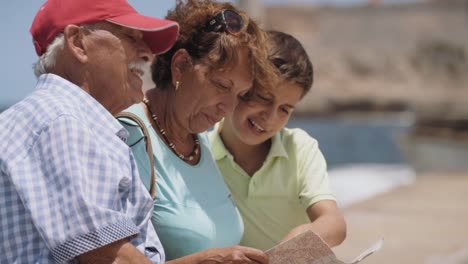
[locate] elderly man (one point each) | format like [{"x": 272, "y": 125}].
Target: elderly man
[{"x": 69, "y": 187}]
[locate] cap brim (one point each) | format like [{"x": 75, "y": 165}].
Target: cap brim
[{"x": 159, "y": 34}]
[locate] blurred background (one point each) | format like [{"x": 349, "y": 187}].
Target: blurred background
[{"x": 389, "y": 108}]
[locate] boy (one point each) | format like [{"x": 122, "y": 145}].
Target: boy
[{"x": 277, "y": 175}]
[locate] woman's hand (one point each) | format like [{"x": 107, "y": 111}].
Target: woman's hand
[
  {"x": 228, "y": 255},
  {"x": 235, "y": 255}
]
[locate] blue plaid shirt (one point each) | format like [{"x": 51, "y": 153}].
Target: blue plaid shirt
[{"x": 68, "y": 181}]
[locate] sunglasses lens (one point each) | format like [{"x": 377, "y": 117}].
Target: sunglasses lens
[{"x": 234, "y": 21}]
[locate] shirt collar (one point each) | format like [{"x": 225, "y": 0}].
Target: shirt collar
[
  {"x": 219, "y": 150},
  {"x": 277, "y": 147},
  {"x": 95, "y": 114}
]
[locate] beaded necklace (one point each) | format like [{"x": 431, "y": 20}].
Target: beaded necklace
[{"x": 196, "y": 148}]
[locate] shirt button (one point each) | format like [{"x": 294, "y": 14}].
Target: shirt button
[{"x": 253, "y": 184}]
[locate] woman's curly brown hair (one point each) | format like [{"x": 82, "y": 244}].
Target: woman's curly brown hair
[{"x": 218, "y": 49}]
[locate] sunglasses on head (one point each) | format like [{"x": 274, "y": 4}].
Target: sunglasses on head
[{"x": 225, "y": 21}]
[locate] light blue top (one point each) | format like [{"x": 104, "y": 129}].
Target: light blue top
[
  {"x": 193, "y": 209},
  {"x": 68, "y": 182}
]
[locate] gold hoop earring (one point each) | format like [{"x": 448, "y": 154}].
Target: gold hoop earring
[{"x": 177, "y": 83}]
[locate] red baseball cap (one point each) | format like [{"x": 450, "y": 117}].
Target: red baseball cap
[{"x": 55, "y": 15}]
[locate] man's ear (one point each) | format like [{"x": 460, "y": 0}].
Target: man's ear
[
  {"x": 181, "y": 62},
  {"x": 74, "y": 42}
]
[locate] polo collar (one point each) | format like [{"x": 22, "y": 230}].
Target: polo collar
[{"x": 277, "y": 147}]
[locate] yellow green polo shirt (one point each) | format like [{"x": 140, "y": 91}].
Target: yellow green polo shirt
[{"x": 274, "y": 200}]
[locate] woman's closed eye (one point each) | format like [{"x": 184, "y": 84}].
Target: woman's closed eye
[{"x": 222, "y": 87}]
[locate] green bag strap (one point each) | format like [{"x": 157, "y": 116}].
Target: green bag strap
[{"x": 149, "y": 149}]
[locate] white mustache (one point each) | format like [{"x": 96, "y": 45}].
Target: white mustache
[
  {"x": 143, "y": 69},
  {"x": 137, "y": 67}
]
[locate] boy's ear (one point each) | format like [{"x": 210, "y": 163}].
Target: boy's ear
[
  {"x": 181, "y": 62},
  {"x": 74, "y": 42}
]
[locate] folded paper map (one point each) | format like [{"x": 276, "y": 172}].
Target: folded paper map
[{"x": 309, "y": 248}]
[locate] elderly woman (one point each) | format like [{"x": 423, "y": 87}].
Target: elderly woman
[{"x": 218, "y": 57}]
